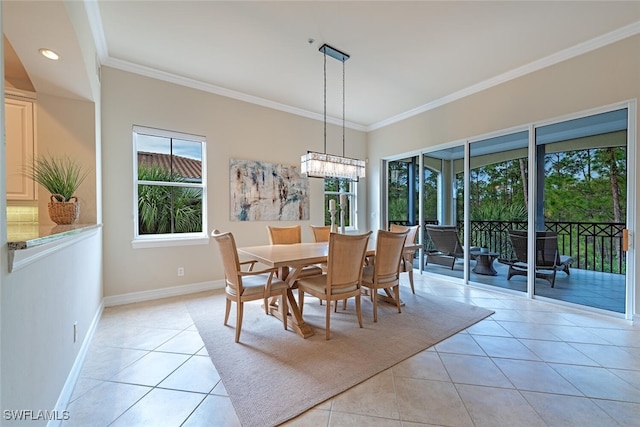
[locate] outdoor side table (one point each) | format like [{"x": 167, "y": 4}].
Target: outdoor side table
[{"x": 484, "y": 262}]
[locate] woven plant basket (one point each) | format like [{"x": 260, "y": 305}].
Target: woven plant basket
[{"x": 64, "y": 212}]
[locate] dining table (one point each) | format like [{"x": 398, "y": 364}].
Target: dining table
[{"x": 293, "y": 258}]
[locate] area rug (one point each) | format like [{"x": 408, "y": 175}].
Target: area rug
[{"x": 273, "y": 375}]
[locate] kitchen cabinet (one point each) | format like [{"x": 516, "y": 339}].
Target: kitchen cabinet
[{"x": 19, "y": 147}]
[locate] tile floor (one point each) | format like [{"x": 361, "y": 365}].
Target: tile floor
[{"x": 530, "y": 364}]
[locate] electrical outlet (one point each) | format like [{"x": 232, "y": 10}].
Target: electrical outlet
[{"x": 180, "y": 271}]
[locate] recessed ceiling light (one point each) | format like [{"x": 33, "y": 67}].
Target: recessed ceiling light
[{"x": 48, "y": 53}]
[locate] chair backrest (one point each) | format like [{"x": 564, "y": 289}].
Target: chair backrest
[
  {"x": 519, "y": 245},
  {"x": 444, "y": 238},
  {"x": 345, "y": 260},
  {"x": 321, "y": 232},
  {"x": 230, "y": 260},
  {"x": 546, "y": 247},
  {"x": 412, "y": 236},
  {"x": 285, "y": 235},
  {"x": 389, "y": 250}
]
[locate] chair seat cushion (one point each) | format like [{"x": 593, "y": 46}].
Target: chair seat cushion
[
  {"x": 255, "y": 285},
  {"x": 318, "y": 285},
  {"x": 367, "y": 277},
  {"x": 566, "y": 259},
  {"x": 312, "y": 270}
]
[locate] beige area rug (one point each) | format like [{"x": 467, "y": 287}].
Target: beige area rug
[{"x": 273, "y": 375}]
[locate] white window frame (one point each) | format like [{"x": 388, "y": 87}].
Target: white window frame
[
  {"x": 169, "y": 239},
  {"x": 352, "y": 194}
]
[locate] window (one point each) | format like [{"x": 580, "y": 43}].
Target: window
[
  {"x": 333, "y": 187},
  {"x": 169, "y": 187}
]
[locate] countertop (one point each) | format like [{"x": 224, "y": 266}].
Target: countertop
[{"x": 29, "y": 235}]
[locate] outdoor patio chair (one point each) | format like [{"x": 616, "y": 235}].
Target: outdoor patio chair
[
  {"x": 548, "y": 259},
  {"x": 446, "y": 245}
]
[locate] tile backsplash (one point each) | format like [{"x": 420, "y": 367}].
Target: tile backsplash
[{"x": 19, "y": 214}]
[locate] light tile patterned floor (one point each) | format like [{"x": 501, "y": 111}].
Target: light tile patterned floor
[{"x": 530, "y": 364}]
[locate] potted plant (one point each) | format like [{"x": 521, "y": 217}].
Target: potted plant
[{"x": 61, "y": 176}]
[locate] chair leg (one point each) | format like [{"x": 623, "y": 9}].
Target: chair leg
[
  {"x": 239, "y": 312},
  {"x": 407, "y": 265},
  {"x": 227, "y": 311},
  {"x": 359, "y": 310},
  {"x": 327, "y": 320},
  {"x": 375, "y": 304},
  {"x": 285, "y": 309},
  {"x": 413, "y": 291},
  {"x": 396, "y": 290}
]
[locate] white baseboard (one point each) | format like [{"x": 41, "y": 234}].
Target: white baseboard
[
  {"x": 74, "y": 374},
  {"x": 162, "y": 293}
]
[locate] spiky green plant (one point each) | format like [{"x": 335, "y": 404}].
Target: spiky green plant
[
  {"x": 61, "y": 176},
  {"x": 164, "y": 209}
]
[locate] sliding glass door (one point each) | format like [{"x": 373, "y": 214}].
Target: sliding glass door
[
  {"x": 539, "y": 210},
  {"x": 498, "y": 199},
  {"x": 581, "y": 210}
]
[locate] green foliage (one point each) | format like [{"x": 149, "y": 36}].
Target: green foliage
[
  {"x": 494, "y": 210},
  {"x": 398, "y": 190},
  {"x": 59, "y": 175},
  {"x": 166, "y": 209}
]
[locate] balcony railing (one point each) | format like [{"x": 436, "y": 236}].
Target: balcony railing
[{"x": 593, "y": 246}]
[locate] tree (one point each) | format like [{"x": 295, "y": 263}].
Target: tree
[{"x": 167, "y": 209}]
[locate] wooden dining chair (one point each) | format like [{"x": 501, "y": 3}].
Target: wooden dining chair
[
  {"x": 406, "y": 265},
  {"x": 242, "y": 286},
  {"x": 385, "y": 271},
  {"x": 343, "y": 277},
  {"x": 288, "y": 236},
  {"x": 285, "y": 235},
  {"x": 320, "y": 232}
]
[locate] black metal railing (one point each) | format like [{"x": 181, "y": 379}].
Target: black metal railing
[{"x": 593, "y": 246}]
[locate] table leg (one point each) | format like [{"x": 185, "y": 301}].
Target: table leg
[
  {"x": 484, "y": 265},
  {"x": 295, "y": 320},
  {"x": 389, "y": 297}
]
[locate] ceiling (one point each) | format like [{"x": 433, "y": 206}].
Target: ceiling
[{"x": 406, "y": 57}]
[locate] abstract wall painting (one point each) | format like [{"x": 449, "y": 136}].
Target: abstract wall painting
[{"x": 263, "y": 191}]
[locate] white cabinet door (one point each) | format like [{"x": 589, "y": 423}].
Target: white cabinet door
[{"x": 19, "y": 148}]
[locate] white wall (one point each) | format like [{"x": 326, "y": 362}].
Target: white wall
[
  {"x": 40, "y": 304},
  {"x": 234, "y": 129},
  {"x": 606, "y": 76}
]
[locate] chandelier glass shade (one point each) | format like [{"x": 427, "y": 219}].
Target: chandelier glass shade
[{"x": 323, "y": 165}]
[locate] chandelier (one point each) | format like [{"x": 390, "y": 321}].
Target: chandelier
[{"x": 321, "y": 165}]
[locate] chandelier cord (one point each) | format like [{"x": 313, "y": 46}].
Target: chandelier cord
[
  {"x": 325, "y": 103},
  {"x": 343, "y": 107}
]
